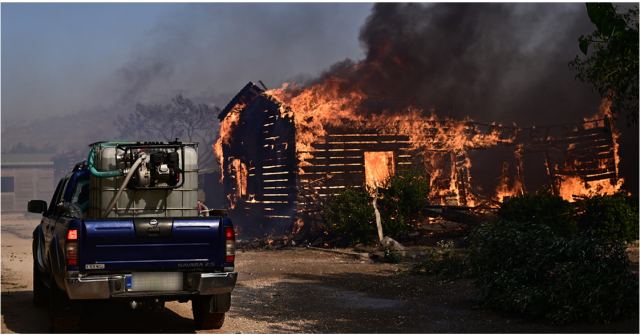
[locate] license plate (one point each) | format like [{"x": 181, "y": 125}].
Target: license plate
[{"x": 154, "y": 281}]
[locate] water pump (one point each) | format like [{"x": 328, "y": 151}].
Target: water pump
[{"x": 160, "y": 167}]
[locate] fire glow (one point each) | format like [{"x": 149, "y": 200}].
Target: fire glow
[
  {"x": 443, "y": 144},
  {"x": 226, "y": 131},
  {"x": 572, "y": 187},
  {"x": 378, "y": 168}
]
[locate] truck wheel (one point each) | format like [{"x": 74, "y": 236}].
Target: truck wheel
[
  {"x": 40, "y": 294},
  {"x": 201, "y": 315},
  {"x": 64, "y": 315}
]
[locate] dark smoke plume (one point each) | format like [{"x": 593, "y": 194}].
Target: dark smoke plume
[
  {"x": 501, "y": 62},
  {"x": 491, "y": 62}
]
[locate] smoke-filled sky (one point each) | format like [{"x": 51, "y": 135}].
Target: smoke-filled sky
[
  {"x": 60, "y": 59},
  {"x": 489, "y": 61},
  {"x": 500, "y": 62},
  {"x": 64, "y": 64}
]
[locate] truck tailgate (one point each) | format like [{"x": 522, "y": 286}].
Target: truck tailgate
[{"x": 147, "y": 244}]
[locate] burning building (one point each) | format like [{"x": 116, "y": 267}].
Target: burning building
[{"x": 283, "y": 151}]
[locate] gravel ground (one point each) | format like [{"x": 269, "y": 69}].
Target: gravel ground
[{"x": 299, "y": 290}]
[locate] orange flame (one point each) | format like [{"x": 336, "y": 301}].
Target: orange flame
[
  {"x": 572, "y": 187},
  {"x": 504, "y": 190},
  {"x": 329, "y": 103},
  {"x": 224, "y": 137},
  {"x": 241, "y": 174},
  {"x": 378, "y": 168}
]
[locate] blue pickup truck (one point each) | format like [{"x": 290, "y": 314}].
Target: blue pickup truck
[{"x": 123, "y": 226}]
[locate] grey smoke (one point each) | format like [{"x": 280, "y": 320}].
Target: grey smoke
[
  {"x": 210, "y": 51},
  {"x": 492, "y": 62},
  {"x": 204, "y": 51},
  {"x": 504, "y": 62}
]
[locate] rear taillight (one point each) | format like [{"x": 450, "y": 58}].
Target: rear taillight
[
  {"x": 72, "y": 235},
  {"x": 72, "y": 247},
  {"x": 230, "y": 245}
]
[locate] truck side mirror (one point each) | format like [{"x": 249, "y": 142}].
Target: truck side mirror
[{"x": 37, "y": 206}]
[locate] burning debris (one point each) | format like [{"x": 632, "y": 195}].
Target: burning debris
[
  {"x": 284, "y": 151},
  {"x": 592, "y": 158}
]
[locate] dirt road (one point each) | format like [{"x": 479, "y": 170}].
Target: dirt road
[{"x": 287, "y": 291}]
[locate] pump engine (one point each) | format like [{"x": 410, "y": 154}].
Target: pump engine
[{"x": 159, "y": 167}]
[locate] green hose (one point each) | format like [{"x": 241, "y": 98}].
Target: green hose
[{"x": 96, "y": 172}]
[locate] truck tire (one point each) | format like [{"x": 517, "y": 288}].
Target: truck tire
[
  {"x": 64, "y": 315},
  {"x": 40, "y": 292},
  {"x": 203, "y": 318}
]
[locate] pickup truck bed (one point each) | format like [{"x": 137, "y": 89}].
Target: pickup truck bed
[
  {"x": 114, "y": 255},
  {"x": 144, "y": 260}
]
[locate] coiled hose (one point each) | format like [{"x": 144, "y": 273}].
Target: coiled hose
[
  {"x": 133, "y": 169},
  {"x": 96, "y": 172}
]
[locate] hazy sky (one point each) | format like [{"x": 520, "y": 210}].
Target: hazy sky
[
  {"x": 59, "y": 59},
  {"x": 91, "y": 62}
]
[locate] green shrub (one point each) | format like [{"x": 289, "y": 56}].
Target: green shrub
[
  {"x": 350, "y": 215},
  {"x": 610, "y": 217},
  {"x": 402, "y": 202},
  {"x": 592, "y": 282},
  {"x": 542, "y": 208},
  {"x": 535, "y": 259},
  {"x": 350, "y": 218}
]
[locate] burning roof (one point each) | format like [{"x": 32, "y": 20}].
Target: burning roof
[{"x": 283, "y": 150}]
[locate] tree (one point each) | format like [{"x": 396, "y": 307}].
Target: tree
[
  {"x": 609, "y": 57},
  {"x": 181, "y": 118},
  {"x": 403, "y": 202}
]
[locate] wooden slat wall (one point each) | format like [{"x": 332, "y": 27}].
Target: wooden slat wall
[
  {"x": 265, "y": 141},
  {"x": 338, "y": 160},
  {"x": 590, "y": 153},
  {"x": 280, "y": 187}
]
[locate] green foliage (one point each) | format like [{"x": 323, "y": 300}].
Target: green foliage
[
  {"x": 541, "y": 267},
  {"x": 591, "y": 281},
  {"x": 610, "y": 57},
  {"x": 350, "y": 217},
  {"x": 402, "y": 202},
  {"x": 542, "y": 208},
  {"x": 609, "y": 217}
]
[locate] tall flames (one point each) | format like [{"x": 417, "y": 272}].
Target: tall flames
[
  {"x": 331, "y": 103},
  {"x": 444, "y": 142},
  {"x": 226, "y": 131},
  {"x": 316, "y": 107}
]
